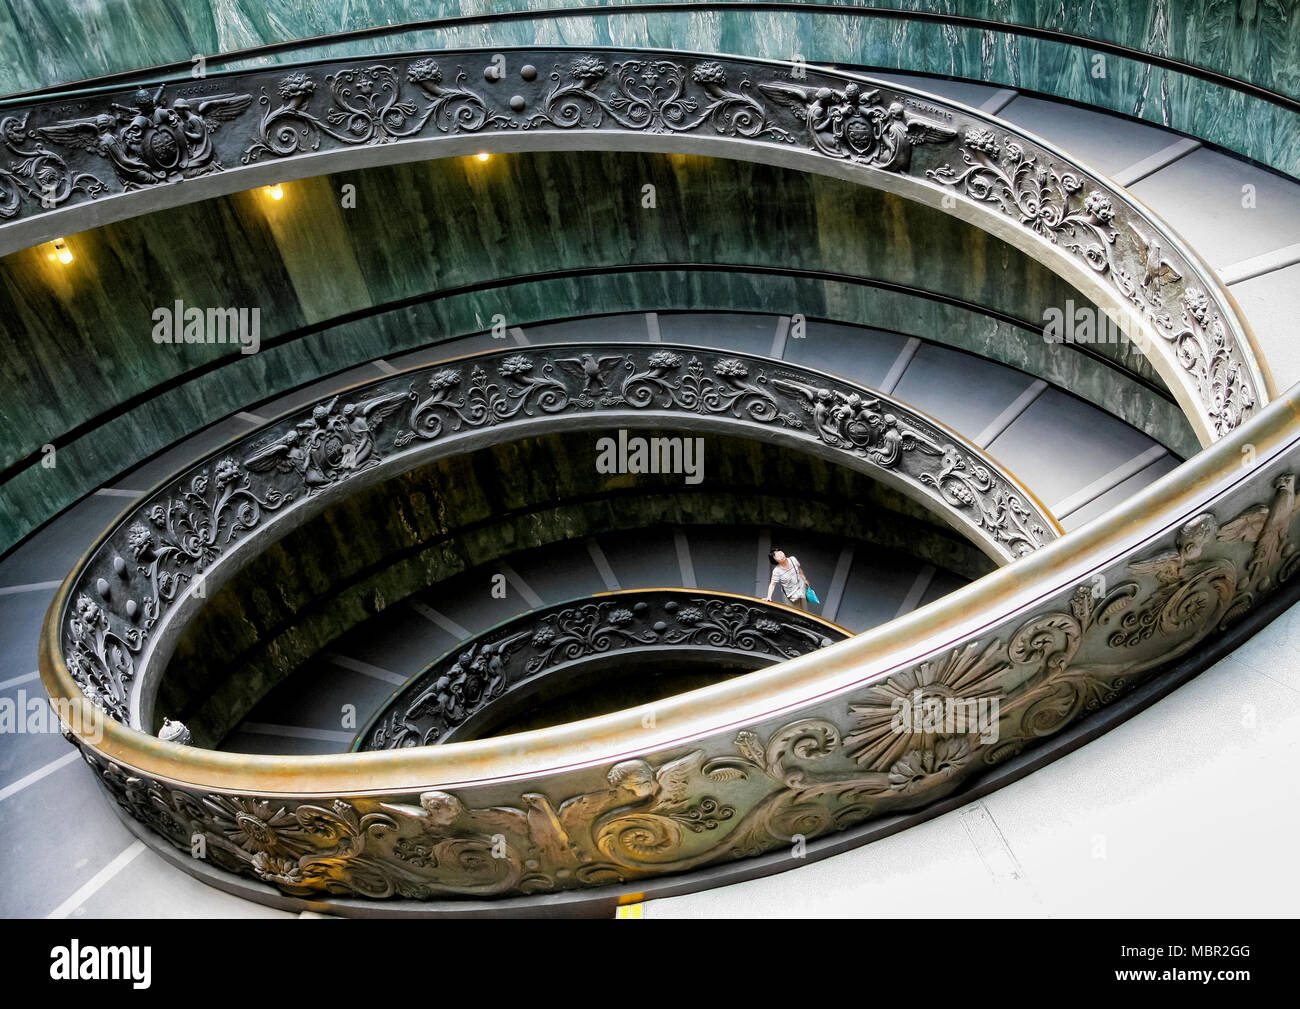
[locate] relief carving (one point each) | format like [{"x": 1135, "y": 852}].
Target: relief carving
[
  {"x": 767, "y": 788},
  {"x": 153, "y": 140}
]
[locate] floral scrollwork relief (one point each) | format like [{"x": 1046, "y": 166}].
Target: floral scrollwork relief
[
  {"x": 173, "y": 132},
  {"x": 1060, "y": 205},
  {"x": 897, "y": 744},
  {"x": 486, "y": 668},
  {"x": 172, "y": 541},
  {"x": 186, "y": 530}
]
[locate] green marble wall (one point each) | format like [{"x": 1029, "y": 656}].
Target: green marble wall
[
  {"x": 85, "y": 331},
  {"x": 1252, "y": 40},
  {"x": 378, "y": 547}
]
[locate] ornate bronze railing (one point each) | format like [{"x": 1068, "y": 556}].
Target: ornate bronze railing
[
  {"x": 792, "y": 752},
  {"x": 466, "y": 688},
  {"x": 180, "y": 543},
  {"x": 853, "y": 734},
  {"x": 104, "y": 155}
]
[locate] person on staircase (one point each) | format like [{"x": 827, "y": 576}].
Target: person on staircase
[{"x": 788, "y": 572}]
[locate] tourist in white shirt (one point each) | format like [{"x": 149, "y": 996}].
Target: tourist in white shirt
[{"x": 794, "y": 583}]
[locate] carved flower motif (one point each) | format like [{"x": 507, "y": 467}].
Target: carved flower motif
[
  {"x": 766, "y": 626},
  {"x": 709, "y": 73},
  {"x": 296, "y": 85},
  {"x": 252, "y": 824},
  {"x": 275, "y": 869},
  {"x": 587, "y": 68},
  {"x": 664, "y": 359},
  {"x": 542, "y": 637},
  {"x": 88, "y": 612},
  {"x": 919, "y": 770},
  {"x": 139, "y": 539},
  {"x": 982, "y": 140},
  {"x": 1098, "y": 204},
  {"x": 424, "y": 71},
  {"x": 444, "y": 379},
  {"x": 1198, "y": 304},
  {"x": 158, "y": 515},
  {"x": 690, "y": 616},
  {"x": 227, "y": 470},
  {"x": 516, "y": 365},
  {"x": 729, "y": 367},
  {"x": 620, "y": 618}
]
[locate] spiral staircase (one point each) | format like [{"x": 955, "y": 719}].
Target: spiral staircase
[{"x": 257, "y": 581}]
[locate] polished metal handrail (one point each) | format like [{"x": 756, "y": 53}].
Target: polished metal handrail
[{"x": 113, "y": 155}]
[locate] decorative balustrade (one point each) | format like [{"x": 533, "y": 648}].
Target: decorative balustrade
[
  {"x": 809, "y": 746},
  {"x": 463, "y": 688},
  {"x": 75, "y": 162},
  {"x": 178, "y": 545},
  {"x": 889, "y": 722}
]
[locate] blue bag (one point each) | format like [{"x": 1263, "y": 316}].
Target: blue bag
[{"x": 812, "y": 596}]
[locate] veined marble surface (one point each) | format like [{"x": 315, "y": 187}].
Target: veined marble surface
[{"x": 443, "y": 225}]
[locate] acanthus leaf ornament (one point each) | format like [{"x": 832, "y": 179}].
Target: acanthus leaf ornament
[
  {"x": 38, "y": 174},
  {"x": 367, "y": 107}
]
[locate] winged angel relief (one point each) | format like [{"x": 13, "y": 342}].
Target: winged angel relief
[
  {"x": 329, "y": 444},
  {"x": 855, "y": 124},
  {"x": 153, "y": 140}
]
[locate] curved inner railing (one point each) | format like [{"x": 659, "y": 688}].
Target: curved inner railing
[
  {"x": 183, "y": 540},
  {"x": 461, "y": 690},
  {"x": 124, "y": 153}
]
